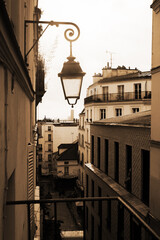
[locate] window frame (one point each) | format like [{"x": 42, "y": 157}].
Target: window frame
[{"x": 102, "y": 113}]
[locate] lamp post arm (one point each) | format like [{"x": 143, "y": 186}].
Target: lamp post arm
[
  {"x": 35, "y": 43},
  {"x": 68, "y": 34}
]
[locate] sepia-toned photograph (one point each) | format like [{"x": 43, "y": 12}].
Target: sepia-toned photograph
[{"x": 79, "y": 120}]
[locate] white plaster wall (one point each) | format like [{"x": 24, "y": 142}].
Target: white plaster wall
[
  {"x": 64, "y": 134},
  {"x": 113, "y": 86},
  {"x": 110, "y": 109},
  {"x": 73, "y": 167}
]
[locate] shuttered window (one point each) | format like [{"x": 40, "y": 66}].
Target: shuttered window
[{"x": 30, "y": 166}]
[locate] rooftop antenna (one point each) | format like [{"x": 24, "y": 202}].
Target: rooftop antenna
[{"x": 110, "y": 53}]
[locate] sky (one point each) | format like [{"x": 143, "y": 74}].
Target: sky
[{"x": 121, "y": 28}]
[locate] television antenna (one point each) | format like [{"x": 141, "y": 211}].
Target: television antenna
[{"x": 110, "y": 53}]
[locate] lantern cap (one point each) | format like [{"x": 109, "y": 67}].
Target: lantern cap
[{"x": 71, "y": 68}]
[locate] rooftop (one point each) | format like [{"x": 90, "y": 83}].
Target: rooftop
[
  {"x": 130, "y": 76},
  {"x": 71, "y": 153},
  {"x": 140, "y": 119}
]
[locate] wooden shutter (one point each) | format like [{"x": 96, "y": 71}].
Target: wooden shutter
[{"x": 30, "y": 166}]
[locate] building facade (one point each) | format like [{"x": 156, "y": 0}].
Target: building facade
[
  {"x": 81, "y": 149},
  {"x": 120, "y": 166},
  {"x": 115, "y": 92},
  {"x": 51, "y": 135},
  {"x": 17, "y": 117},
  {"x": 67, "y": 160},
  {"x": 155, "y": 124}
]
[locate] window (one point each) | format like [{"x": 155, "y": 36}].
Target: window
[
  {"x": 92, "y": 149},
  {"x": 99, "y": 232},
  {"x": 87, "y": 135},
  {"x": 87, "y": 119},
  {"x": 79, "y": 139},
  {"x": 118, "y": 112},
  {"x": 49, "y": 147},
  {"x": 40, "y": 147},
  {"x": 145, "y": 175},
  {"x": 50, "y": 167},
  {"x": 105, "y": 93},
  {"x": 49, "y": 137},
  {"x": 82, "y": 140},
  {"x": 106, "y": 156},
  {"x": 49, "y": 128},
  {"x": 109, "y": 215},
  {"x": 100, "y": 203},
  {"x": 66, "y": 170},
  {"x": 98, "y": 152},
  {"x": 92, "y": 227},
  {"x": 49, "y": 157},
  {"x": 120, "y": 92},
  {"x": 128, "y": 180},
  {"x": 82, "y": 162},
  {"x": 40, "y": 157},
  {"x": 102, "y": 113},
  {"x": 91, "y": 115},
  {"x": 135, "y": 229},
  {"x": 137, "y": 90},
  {"x": 120, "y": 222},
  {"x": 92, "y": 192},
  {"x": 135, "y": 110},
  {"x": 66, "y": 162},
  {"x": 87, "y": 185},
  {"x": 116, "y": 160},
  {"x": 86, "y": 217}
]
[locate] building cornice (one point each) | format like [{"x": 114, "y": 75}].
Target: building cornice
[
  {"x": 118, "y": 190},
  {"x": 155, "y": 144},
  {"x": 120, "y": 125},
  {"x": 123, "y": 79},
  {"x": 155, "y": 70},
  {"x": 10, "y": 54},
  {"x": 156, "y": 6}
]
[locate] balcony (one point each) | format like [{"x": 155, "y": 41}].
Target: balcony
[
  {"x": 116, "y": 97},
  {"x": 86, "y": 228}
]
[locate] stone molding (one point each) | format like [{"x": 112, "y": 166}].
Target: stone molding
[
  {"x": 15, "y": 67},
  {"x": 155, "y": 144},
  {"x": 156, "y": 6}
]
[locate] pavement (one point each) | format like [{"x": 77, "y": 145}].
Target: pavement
[{"x": 64, "y": 214}]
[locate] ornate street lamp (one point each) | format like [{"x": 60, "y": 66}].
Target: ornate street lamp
[{"x": 71, "y": 74}]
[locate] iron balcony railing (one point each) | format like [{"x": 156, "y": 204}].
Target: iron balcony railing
[
  {"x": 151, "y": 234},
  {"x": 118, "y": 97}
]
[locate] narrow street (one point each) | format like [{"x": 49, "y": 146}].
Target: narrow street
[
  {"x": 64, "y": 214},
  {"x": 67, "y": 214}
]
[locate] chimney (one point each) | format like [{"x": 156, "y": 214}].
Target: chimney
[{"x": 72, "y": 114}]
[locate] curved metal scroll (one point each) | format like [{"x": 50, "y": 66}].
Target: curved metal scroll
[{"x": 69, "y": 33}]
